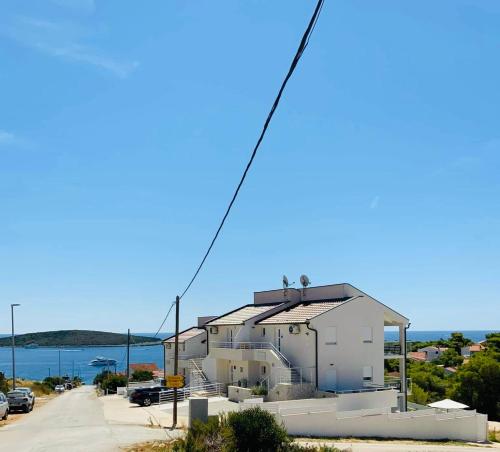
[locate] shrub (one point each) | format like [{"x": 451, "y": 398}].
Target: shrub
[
  {"x": 52, "y": 382},
  {"x": 4, "y": 387},
  {"x": 112, "y": 381},
  {"x": 142, "y": 375},
  {"x": 99, "y": 378},
  {"x": 40, "y": 388},
  {"x": 259, "y": 390},
  {"x": 254, "y": 429}
]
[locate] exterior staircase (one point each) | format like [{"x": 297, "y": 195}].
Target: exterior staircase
[{"x": 196, "y": 375}]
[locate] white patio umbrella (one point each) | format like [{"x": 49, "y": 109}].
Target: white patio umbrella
[{"x": 448, "y": 404}]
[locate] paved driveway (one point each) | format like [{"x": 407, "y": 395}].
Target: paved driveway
[{"x": 73, "y": 421}]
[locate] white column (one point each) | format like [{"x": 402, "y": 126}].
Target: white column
[{"x": 402, "y": 366}]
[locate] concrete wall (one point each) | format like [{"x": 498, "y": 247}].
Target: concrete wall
[
  {"x": 284, "y": 391},
  {"x": 423, "y": 426},
  {"x": 367, "y": 400},
  {"x": 350, "y": 354},
  {"x": 329, "y": 418},
  {"x": 237, "y": 394}
]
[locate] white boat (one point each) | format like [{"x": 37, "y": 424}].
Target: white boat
[{"x": 101, "y": 361}]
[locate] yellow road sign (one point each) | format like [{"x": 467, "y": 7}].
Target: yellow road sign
[{"x": 175, "y": 381}]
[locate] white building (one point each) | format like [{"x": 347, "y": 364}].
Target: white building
[
  {"x": 327, "y": 338},
  {"x": 192, "y": 350},
  {"x": 432, "y": 353}
]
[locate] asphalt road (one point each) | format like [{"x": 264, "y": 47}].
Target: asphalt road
[{"x": 73, "y": 421}]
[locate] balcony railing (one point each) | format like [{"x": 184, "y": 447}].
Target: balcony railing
[
  {"x": 392, "y": 349},
  {"x": 252, "y": 346}
]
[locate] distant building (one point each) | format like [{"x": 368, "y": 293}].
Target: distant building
[
  {"x": 432, "y": 353},
  {"x": 470, "y": 350}
]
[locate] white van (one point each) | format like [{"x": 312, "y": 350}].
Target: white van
[{"x": 4, "y": 407}]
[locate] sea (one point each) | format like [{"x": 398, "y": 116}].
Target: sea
[{"x": 38, "y": 363}]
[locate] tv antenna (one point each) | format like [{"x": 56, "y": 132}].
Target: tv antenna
[
  {"x": 304, "y": 280},
  {"x": 286, "y": 285}
]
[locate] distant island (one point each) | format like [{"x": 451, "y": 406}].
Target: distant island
[{"x": 76, "y": 338}]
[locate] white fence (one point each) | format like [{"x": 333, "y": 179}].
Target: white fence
[
  {"x": 319, "y": 419},
  {"x": 204, "y": 390}
]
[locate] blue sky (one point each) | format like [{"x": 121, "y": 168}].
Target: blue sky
[{"x": 125, "y": 126}]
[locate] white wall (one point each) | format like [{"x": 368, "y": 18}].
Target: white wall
[
  {"x": 350, "y": 354},
  {"x": 426, "y": 426}
]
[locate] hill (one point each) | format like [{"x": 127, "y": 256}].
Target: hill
[{"x": 78, "y": 338}]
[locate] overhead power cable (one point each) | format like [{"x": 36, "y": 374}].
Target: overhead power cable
[{"x": 302, "y": 46}]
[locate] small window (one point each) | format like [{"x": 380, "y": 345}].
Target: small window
[
  {"x": 367, "y": 373},
  {"x": 331, "y": 335},
  {"x": 241, "y": 369},
  {"x": 263, "y": 331},
  {"x": 263, "y": 370},
  {"x": 367, "y": 334},
  {"x": 169, "y": 345}
]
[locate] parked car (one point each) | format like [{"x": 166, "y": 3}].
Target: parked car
[
  {"x": 19, "y": 400},
  {"x": 147, "y": 396},
  {"x": 4, "y": 407},
  {"x": 68, "y": 386},
  {"x": 29, "y": 393},
  {"x": 59, "y": 388}
]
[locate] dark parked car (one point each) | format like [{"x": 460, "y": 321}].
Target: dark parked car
[
  {"x": 19, "y": 400},
  {"x": 147, "y": 396}
]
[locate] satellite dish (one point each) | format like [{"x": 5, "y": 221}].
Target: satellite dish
[
  {"x": 285, "y": 282},
  {"x": 304, "y": 280}
]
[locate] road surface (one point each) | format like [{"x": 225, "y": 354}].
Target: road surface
[{"x": 74, "y": 421}]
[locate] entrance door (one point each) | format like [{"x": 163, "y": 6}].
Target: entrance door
[{"x": 330, "y": 382}]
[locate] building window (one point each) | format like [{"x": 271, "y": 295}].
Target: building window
[
  {"x": 367, "y": 373},
  {"x": 263, "y": 370},
  {"x": 367, "y": 334},
  {"x": 263, "y": 331},
  {"x": 169, "y": 345},
  {"x": 331, "y": 335},
  {"x": 241, "y": 369}
]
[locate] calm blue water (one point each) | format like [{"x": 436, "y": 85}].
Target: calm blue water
[
  {"x": 38, "y": 362},
  {"x": 35, "y": 363}
]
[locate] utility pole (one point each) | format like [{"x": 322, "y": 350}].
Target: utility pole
[
  {"x": 73, "y": 370},
  {"x": 49, "y": 371},
  {"x": 176, "y": 358},
  {"x": 128, "y": 356},
  {"x": 59, "y": 363},
  {"x": 12, "y": 306}
]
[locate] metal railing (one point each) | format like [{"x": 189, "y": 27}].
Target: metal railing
[
  {"x": 205, "y": 390},
  {"x": 252, "y": 346}
]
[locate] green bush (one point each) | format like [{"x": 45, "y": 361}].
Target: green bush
[
  {"x": 254, "y": 429},
  {"x": 259, "y": 390},
  {"x": 52, "y": 382},
  {"x": 4, "y": 387},
  {"x": 142, "y": 375},
  {"x": 112, "y": 381},
  {"x": 99, "y": 378}
]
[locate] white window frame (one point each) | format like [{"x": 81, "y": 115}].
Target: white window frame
[
  {"x": 331, "y": 335},
  {"x": 367, "y": 334}
]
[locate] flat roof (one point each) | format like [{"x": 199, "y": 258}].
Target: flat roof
[
  {"x": 186, "y": 334},
  {"x": 241, "y": 315},
  {"x": 301, "y": 312}
]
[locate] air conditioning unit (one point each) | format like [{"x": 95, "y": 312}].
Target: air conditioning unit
[
  {"x": 214, "y": 330},
  {"x": 294, "y": 329}
]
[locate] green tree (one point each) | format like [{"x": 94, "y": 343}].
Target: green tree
[
  {"x": 457, "y": 341},
  {"x": 450, "y": 358},
  {"x": 142, "y": 375},
  {"x": 477, "y": 384},
  {"x": 99, "y": 378},
  {"x": 4, "y": 387},
  {"x": 52, "y": 382},
  {"x": 430, "y": 378},
  {"x": 493, "y": 342},
  {"x": 113, "y": 381},
  {"x": 418, "y": 395}
]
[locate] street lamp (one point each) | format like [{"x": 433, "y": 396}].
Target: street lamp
[{"x": 12, "y": 306}]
